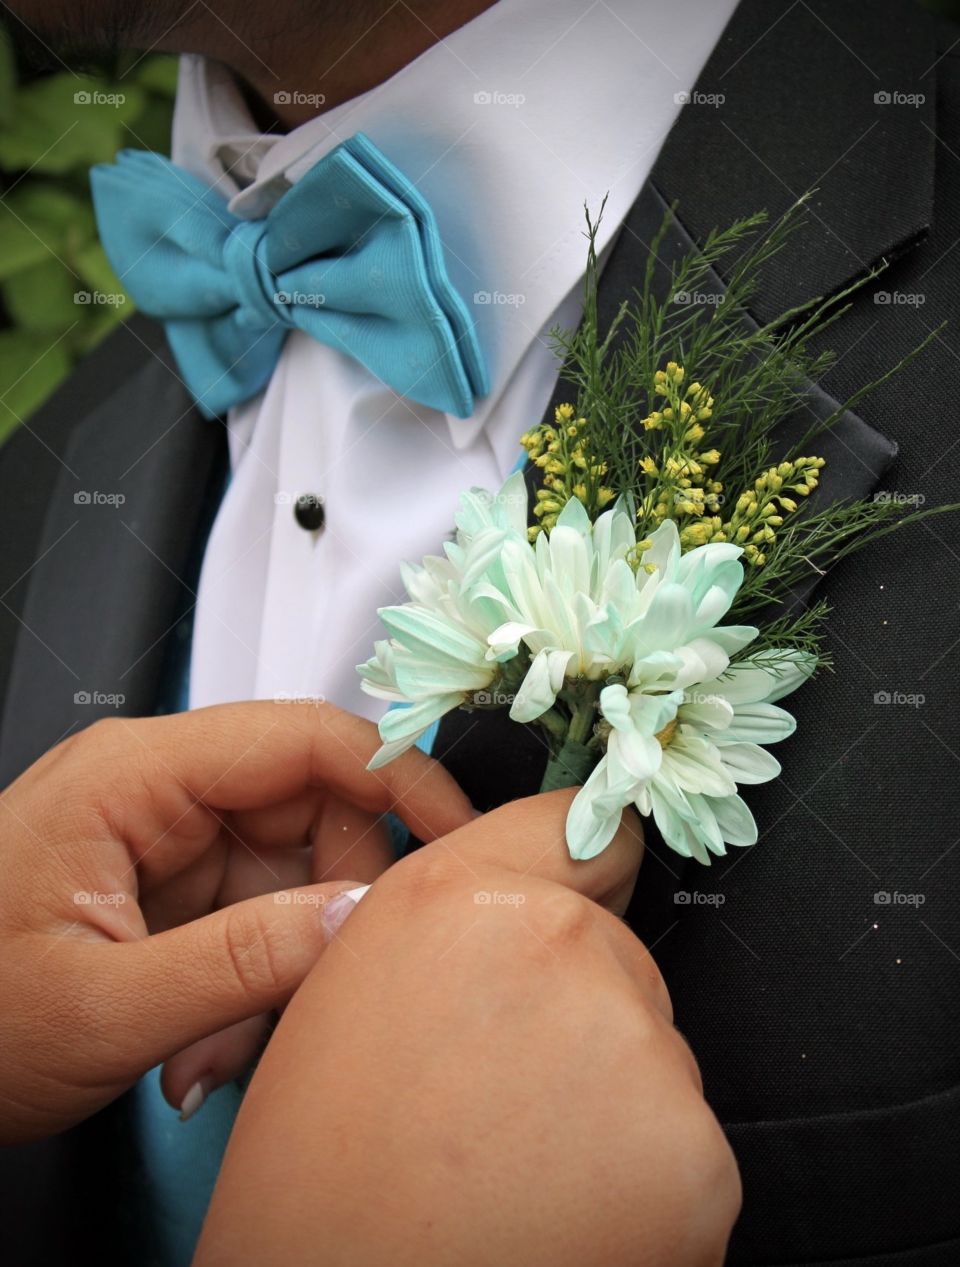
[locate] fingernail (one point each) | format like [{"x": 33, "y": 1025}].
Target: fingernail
[
  {"x": 334, "y": 913},
  {"x": 195, "y": 1097}
]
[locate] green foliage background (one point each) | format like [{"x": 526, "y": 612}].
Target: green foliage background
[{"x": 53, "y": 128}]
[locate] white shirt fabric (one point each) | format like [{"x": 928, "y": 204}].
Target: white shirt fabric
[{"x": 507, "y": 127}]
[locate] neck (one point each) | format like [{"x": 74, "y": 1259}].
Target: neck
[{"x": 297, "y": 66}]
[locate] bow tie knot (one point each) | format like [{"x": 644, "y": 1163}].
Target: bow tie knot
[
  {"x": 260, "y": 305},
  {"x": 351, "y": 255}
]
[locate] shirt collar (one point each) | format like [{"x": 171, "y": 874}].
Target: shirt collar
[{"x": 507, "y": 127}]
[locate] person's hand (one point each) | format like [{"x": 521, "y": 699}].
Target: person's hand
[
  {"x": 119, "y": 943},
  {"x": 481, "y": 1069},
  {"x": 328, "y": 838}
]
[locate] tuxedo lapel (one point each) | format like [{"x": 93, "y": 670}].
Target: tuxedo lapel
[
  {"x": 726, "y": 160},
  {"x": 818, "y": 95},
  {"x": 96, "y": 614}
]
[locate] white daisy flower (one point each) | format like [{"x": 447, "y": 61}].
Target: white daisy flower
[
  {"x": 438, "y": 656},
  {"x": 681, "y": 757},
  {"x": 626, "y": 636}
]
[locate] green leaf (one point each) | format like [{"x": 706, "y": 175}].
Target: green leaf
[
  {"x": 152, "y": 129},
  {"x": 54, "y": 209},
  {"x": 43, "y": 299},
  {"x": 19, "y": 247},
  {"x": 31, "y": 366},
  {"x": 38, "y": 221},
  {"x": 66, "y": 122},
  {"x": 97, "y": 273},
  {"x": 158, "y": 74}
]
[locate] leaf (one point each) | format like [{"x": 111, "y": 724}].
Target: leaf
[
  {"x": 19, "y": 247},
  {"x": 43, "y": 299},
  {"x": 66, "y": 122},
  {"x": 96, "y": 271},
  {"x": 152, "y": 128},
  {"x": 31, "y": 366},
  {"x": 39, "y": 221},
  {"x": 159, "y": 74}
]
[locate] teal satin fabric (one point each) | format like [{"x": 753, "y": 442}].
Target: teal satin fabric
[{"x": 350, "y": 254}]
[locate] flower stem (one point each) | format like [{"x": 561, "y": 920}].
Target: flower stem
[
  {"x": 553, "y": 722},
  {"x": 570, "y": 767},
  {"x": 581, "y": 723}
]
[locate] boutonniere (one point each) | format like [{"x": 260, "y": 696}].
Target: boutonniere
[{"x": 643, "y": 622}]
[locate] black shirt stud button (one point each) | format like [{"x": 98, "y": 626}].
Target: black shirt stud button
[{"x": 309, "y": 513}]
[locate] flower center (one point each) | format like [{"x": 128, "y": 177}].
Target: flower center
[{"x": 665, "y": 736}]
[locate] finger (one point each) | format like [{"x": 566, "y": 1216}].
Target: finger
[
  {"x": 250, "y": 874},
  {"x": 528, "y": 837},
  {"x": 166, "y": 782},
  {"x": 179, "y": 986},
  {"x": 189, "y": 893},
  {"x": 350, "y": 841},
  {"x": 280, "y": 825},
  {"x": 191, "y": 1075}
]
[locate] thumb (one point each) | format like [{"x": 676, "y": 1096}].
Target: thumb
[{"x": 175, "y": 987}]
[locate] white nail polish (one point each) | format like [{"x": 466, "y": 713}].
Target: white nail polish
[
  {"x": 356, "y": 894},
  {"x": 334, "y": 912},
  {"x": 195, "y": 1097}
]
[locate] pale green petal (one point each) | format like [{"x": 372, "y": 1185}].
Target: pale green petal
[
  {"x": 562, "y": 612},
  {"x": 391, "y": 693},
  {"x": 591, "y": 820},
  {"x": 484, "y": 549},
  {"x": 431, "y": 635},
  {"x": 676, "y": 828},
  {"x": 618, "y": 585},
  {"x": 614, "y": 536},
  {"x": 513, "y": 504},
  {"x": 712, "y": 659},
  {"x": 759, "y": 723},
  {"x": 733, "y": 638},
  {"x": 664, "y": 550},
  {"x": 734, "y": 820},
  {"x": 379, "y": 673},
  {"x": 505, "y": 640},
  {"x": 417, "y": 677},
  {"x": 650, "y": 713},
  {"x": 538, "y": 691},
  {"x": 400, "y": 728},
  {"x": 474, "y": 513},
  {"x": 574, "y": 517},
  {"x": 696, "y": 766},
  {"x": 633, "y": 755},
  {"x": 703, "y": 824},
  {"x": 748, "y": 763},
  {"x": 520, "y": 571},
  {"x": 707, "y": 712},
  {"x": 656, "y": 671},
  {"x": 712, "y": 575},
  {"x": 637, "y": 712},
  {"x": 668, "y": 618},
  {"x": 802, "y": 665},
  {"x": 716, "y": 602},
  {"x": 701, "y": 566},
  {"x": 615, "y": 706},
  {"x": 750, "y": 682}
]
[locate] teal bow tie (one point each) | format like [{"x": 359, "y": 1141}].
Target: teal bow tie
[{"x": 350, "y": 254}]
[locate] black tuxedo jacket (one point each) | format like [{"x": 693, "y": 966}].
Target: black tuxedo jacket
[{"x": 821, "y": 1002}]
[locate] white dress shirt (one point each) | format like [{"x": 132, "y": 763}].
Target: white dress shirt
[{"x": 507, "y": 127}]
